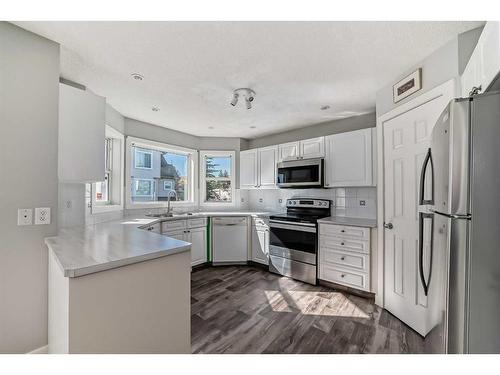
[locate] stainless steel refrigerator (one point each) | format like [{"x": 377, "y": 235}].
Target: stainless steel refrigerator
[{"x": 459, "y": 217}]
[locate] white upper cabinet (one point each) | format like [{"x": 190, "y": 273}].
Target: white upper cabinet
[
  {"x": 484, "y": 63},
  {"x": 267, "y": 157},
  {"x": 312, "y": 148},
  {"x": 81, "y": 135},
  {"x": 258, "y": 168},
  {"x": 349, "y": 159},
  {"x": 248, "y": 169},
  {"x": 306, "y": 149},
  {"x": 289, "y": 151}
]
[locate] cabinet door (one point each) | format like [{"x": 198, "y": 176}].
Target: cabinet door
[
  {"x": 289, "y": 151},
  {"x": 198, "y": 239},
  {"x": 178, "y": 235},
  {"x": 81, "y": 135},
  {"x": 348, "y": 159},
  {"x": 267, "y": 167},
  {"x": 248, "y": 169},
  {"x": 484, "y": 63},
  {"x": 312, "y": 148},
  {"x": 260, "y": 245}
]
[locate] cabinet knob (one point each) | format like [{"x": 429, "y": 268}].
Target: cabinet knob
[
  {"x": 343, "y": 230},
  {"x": 343, "y": 258},
  {"x": 342, "y": 243},
  {"x": 342, "y": 275}
]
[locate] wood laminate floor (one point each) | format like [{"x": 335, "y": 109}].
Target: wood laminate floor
[{"x": 243, "y": 309}]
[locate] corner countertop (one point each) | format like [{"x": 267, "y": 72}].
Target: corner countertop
[
  {"x": 93, "y": 248},
  {"x": 353, "y": 221}
]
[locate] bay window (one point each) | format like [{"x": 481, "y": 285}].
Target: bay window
[
  {"x": 217, "y": 177},
  {"x": 107, "y": 195},
  {"x": 155, "y": 170}
]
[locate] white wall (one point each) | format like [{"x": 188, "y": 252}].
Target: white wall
[
  {"x": 445, "y": 63},
  {"x": 29, "y": 96}
]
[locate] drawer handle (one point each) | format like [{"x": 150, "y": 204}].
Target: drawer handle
[{"x": 343, "y": 258}]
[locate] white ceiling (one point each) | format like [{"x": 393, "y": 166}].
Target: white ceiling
[{"x": 191, "y": 68}]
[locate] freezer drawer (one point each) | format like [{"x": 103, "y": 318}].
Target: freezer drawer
[{"x": 292, "y": 268}]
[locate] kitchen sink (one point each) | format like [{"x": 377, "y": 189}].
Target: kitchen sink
[{"x": 170, "y": 215}]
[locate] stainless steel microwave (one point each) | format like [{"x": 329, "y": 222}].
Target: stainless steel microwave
[{"x": 300, "y": 174}]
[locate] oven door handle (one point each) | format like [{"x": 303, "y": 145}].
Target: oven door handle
[{"x": 303, "y": 227}]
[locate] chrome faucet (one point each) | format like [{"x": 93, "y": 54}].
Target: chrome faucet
[{"x": 168, "y": 203}]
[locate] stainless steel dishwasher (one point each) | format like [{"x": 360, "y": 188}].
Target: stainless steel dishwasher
[{"x": 230, "y": 240}]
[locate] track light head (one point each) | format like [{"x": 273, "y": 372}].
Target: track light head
[
  {"x": 246, "y": 93},
  {"x": 235, "y": 99}
]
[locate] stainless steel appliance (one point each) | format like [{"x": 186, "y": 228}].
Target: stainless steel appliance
[
  {"x": 459, "y": 216},
  {"x": 294, "y": 238},
  {"x": 306, "y": 173}
]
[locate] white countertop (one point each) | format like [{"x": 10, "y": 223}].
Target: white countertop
[
  {"x": 99, "y": 247},
  {"x": 353, "y": 221}
]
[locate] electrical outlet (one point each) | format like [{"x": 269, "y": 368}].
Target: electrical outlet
[
  {"x": 362, "y": 203},
  {"x": 280, "y": 200},
  {"x": 242, "y": 200},
  {"x": 42, "y": 215},
  {"x": 24, "y": 216}
]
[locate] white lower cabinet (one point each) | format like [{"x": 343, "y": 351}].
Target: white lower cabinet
[
  {"x": 194, "y": 231},
  {"x": 260, "y": 244},
  {"x": 344, "y": 255}
]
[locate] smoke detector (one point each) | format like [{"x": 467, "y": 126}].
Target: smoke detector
[{"x": 247, "y": 94}]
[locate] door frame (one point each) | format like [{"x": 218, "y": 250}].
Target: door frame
[{"x": 448, "y": 89}]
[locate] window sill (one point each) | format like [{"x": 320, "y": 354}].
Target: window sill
[{"x": 163, "y": 204}]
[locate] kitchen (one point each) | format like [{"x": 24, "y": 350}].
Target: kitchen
[{"x": 208, "y": 202}]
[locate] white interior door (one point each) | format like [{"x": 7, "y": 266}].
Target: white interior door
[{"x": 406, "y": 140}]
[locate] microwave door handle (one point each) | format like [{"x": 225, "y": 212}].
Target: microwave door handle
[
  {"x": 428, "y": 158},
  {"x": 425, "y": 283}
]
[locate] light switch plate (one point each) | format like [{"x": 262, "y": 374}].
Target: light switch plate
[
  {"x": 42, "y": 215},
  {"x": 24, "y": 216}
]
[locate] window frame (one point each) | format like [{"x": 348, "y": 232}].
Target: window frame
[
  {"x": 152, "y": 183},
  {"x": 203, "y": 179},
  {"x": 115, "y": 168},
  {"x": 143, "y": 152},
  {"x": 192, "y": 185}
]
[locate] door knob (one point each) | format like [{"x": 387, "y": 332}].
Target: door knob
[{"x": 388, "y": 225}]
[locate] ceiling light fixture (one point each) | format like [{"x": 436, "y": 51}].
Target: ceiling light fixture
[
  {"x": 246, "y": 93},
  {"x": 325, "y": 107},
  {"x": 252, "y": 127},
  {"x": 137, "y": 76},
  {"x": 155, "y": 109}
]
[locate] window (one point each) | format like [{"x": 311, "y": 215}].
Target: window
[
  {"x": 217, "y": 177},
  {"x": 107, "y": 194},
  {"x": 143, "y": 159},
  {"x": 159, "y": 171}
]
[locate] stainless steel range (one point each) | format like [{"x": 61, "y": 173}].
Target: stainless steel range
[{"x": 294, "y": 238}]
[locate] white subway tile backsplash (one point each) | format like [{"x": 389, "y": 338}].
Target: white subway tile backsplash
[{"x": 345, "y": 201}]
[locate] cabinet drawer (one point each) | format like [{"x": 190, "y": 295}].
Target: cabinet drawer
[
  {"x": 344, "y": 231},
  {"x": 344, "y": 244},
  {"x": 341, "y": 276},
  {"x": 197, "y": 223},
  {"x": 359, "y": 262},
  {"x": 168, "y": 226}
]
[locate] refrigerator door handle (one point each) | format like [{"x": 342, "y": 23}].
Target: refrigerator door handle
[
  {"x": 452, "y": 216},
  {"x": 428, "y": 158},
  {"x": 425, "y": 283}
]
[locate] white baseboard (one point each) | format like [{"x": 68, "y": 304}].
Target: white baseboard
[{"x": 42, "y": 350}]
